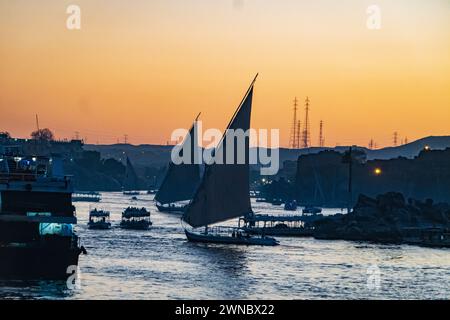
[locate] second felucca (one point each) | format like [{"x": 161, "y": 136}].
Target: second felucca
[{"x": 181, "y": 180}]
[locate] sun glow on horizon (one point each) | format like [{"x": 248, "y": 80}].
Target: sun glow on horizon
[{"x": 145, "y": 68}]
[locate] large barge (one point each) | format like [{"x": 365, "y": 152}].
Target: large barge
[{"x": 37, "y": 240}]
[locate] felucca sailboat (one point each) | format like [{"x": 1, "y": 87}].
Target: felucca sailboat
[
  {"x": 224, "y": 191},
  {"x": 181, "y": 180},
  {"x": 130, "y": 184}
]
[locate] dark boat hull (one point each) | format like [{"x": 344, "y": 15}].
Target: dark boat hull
[
  {"x": 141, "y": 225},
  {"x": 99, "y": 226},
  {"x": 312, "y": 210},
  {"x": 20, "y": 263},
  {"x": 210, "y": 238},
  {"x": 131, "y": 193},
  {"x": 284, "y": 232},
  {"x": 178, "y": 210}
]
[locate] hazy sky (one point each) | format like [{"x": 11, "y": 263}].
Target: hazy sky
[{"x": 144, "y": 68}]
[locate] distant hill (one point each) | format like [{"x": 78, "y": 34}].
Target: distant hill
[
  {"x": 411, "y": 149},
  {"x": 146, "y": 155}
]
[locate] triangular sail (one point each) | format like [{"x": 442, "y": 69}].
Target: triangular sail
[
  {"x": 131, "y": 180},
  {"x": 224, "y": 191},
  {"x": 181, "y": 180}
]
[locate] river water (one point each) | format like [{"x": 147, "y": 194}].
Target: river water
[{"x": 161, "y": 264}]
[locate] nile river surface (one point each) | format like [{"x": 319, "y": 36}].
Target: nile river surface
[{"x": 161, "y": 264}]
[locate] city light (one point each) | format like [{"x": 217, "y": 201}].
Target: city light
[{"x": 377, "y": 171}]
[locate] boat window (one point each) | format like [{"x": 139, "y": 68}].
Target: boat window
[{"x": 61, "y": 229}]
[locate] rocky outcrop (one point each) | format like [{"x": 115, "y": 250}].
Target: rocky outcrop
[{"x": 383, "y": 219}]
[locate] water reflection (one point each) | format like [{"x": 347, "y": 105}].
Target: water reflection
[
  {"x": 44, "y": 289},
  {"x": 160, "y": 263},
  {"x": 224, "y": 266}
]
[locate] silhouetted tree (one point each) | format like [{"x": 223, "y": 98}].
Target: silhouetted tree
[
  {"x": 5, "y": 135},
  {"x": 42, "y": 134}
]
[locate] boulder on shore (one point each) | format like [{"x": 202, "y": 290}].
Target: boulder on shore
[{"x": 383, "y": 219}]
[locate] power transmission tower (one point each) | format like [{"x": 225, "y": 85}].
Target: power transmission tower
[
  {"x": 293, "y": 141},
  {"x": 395, "y": 138},
  {"x": 321, "y": 136},
  {"x": 306, "y": 140},
  {"x": 37, "y": 122},
  {"x": 298, "y": 134},
  {"x": 125, "y": 138}
]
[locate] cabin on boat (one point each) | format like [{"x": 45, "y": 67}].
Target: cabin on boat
[
  {"x": 276, "y": 225},
  {"x": 89, "y": 196}
]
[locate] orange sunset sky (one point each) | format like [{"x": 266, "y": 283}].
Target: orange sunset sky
[{"x": 144, "y": 68}]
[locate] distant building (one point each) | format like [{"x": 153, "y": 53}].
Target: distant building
[{"x": 67, "y": 149}]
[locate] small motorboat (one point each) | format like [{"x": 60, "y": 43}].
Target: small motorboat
[
  {"x": 171, "y": 208},
  {"x": 290, "y": 205},
  {"x": 81, "y": 196},
  {"x": 99, "y": 219},
  {"x": 277, "y": 202},
  {"x": 135, "y": 218},
  {"x": 436, "y": 237},
  {"x": 312, "y": 210},
  {"x": 131, "y": 193}
]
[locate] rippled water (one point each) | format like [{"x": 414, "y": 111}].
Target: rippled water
[{"x": 161, "y": 264}]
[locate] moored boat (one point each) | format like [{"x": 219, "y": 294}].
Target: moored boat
[
  {"x": 277, "y": 202},
  {"x": 37, "y": 239},
  {"x": 426, "y": 236},
  {"x": 290, "y": 205},
  {"x": 311, "y": 209},
  {"x": 277, "y": 225},
  {"x": 86, "y": 196},
  {"x": 436, "y": 237},
  {"x": 131, "y": 193}
]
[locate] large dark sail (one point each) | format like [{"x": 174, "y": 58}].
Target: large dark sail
[
  {"x": 182, "y": 179},
  {"x": 131, "y": 180},
  {"x": 224, "y": 191}
]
